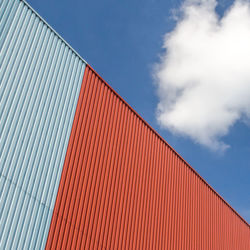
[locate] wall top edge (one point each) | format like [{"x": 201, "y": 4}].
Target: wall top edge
[
  {"x": 153, "y": 130},
  {"x": 171, "y": 148},
  {"x": 53, "y": 30}
]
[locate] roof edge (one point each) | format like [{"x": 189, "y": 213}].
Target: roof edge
[
  {"x": 153, "y": 130},
  {"x": 164, "y": 141},
  {"x": 53, "y": 30}
]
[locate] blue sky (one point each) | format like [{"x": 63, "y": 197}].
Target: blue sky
[{"x": 122, "y": 41}]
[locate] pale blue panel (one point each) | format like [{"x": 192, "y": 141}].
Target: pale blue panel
[{"x": 40, "y": 81}]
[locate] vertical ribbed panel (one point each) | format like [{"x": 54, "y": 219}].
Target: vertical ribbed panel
[
  {"x": 40, "y": 82},
  {"x": 123, "y": 187}
]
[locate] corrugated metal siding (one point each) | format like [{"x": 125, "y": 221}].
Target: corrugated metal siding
[
  {"x": 123, "y": 187},
  {"x": 40, "y": 82}
]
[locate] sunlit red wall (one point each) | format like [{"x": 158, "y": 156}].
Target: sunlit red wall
[
  {"x": 79, "y": 168},
  {"x": 124, "y": 187}
]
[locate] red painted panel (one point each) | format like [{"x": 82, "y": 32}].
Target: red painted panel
[{"x": 124, "y": 187}]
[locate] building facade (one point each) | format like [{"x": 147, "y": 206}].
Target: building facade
[{"x": 80, "y": 169}]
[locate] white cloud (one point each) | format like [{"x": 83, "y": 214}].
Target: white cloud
[{"x": 203, "y": 78}]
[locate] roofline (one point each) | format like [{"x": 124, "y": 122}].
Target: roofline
[
  {"x": 164, "y": 141},
  {"x": 153, "y": 130},
  {"x": 42, "y": 19}
]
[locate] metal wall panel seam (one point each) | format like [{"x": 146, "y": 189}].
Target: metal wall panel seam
[
  {"x": 67, "y": 183},
  {"x": 21, "y": 193},
  {"x": 53, "y": 151},
  {"x": 71, "y": 211},
  {"x": 100, "y": 208},
  {"x": 80, "y": 137},
  {"x": 92, "y": 135},
  {"x": 32, "y": 59},
  {"x": 89, "y": 134},
  {"x": 69, "y": 120},
  {"x": 56, "y": 176},
  {"x": 73, "y": 131}
]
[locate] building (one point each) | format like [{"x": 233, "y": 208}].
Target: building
[{"x": 80, "y": 168}]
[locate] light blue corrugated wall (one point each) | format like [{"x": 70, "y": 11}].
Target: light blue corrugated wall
[{"x": 40, "y": 80}]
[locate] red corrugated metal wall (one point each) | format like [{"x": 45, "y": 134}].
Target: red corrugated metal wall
[{"x": 123, "y": 187}]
